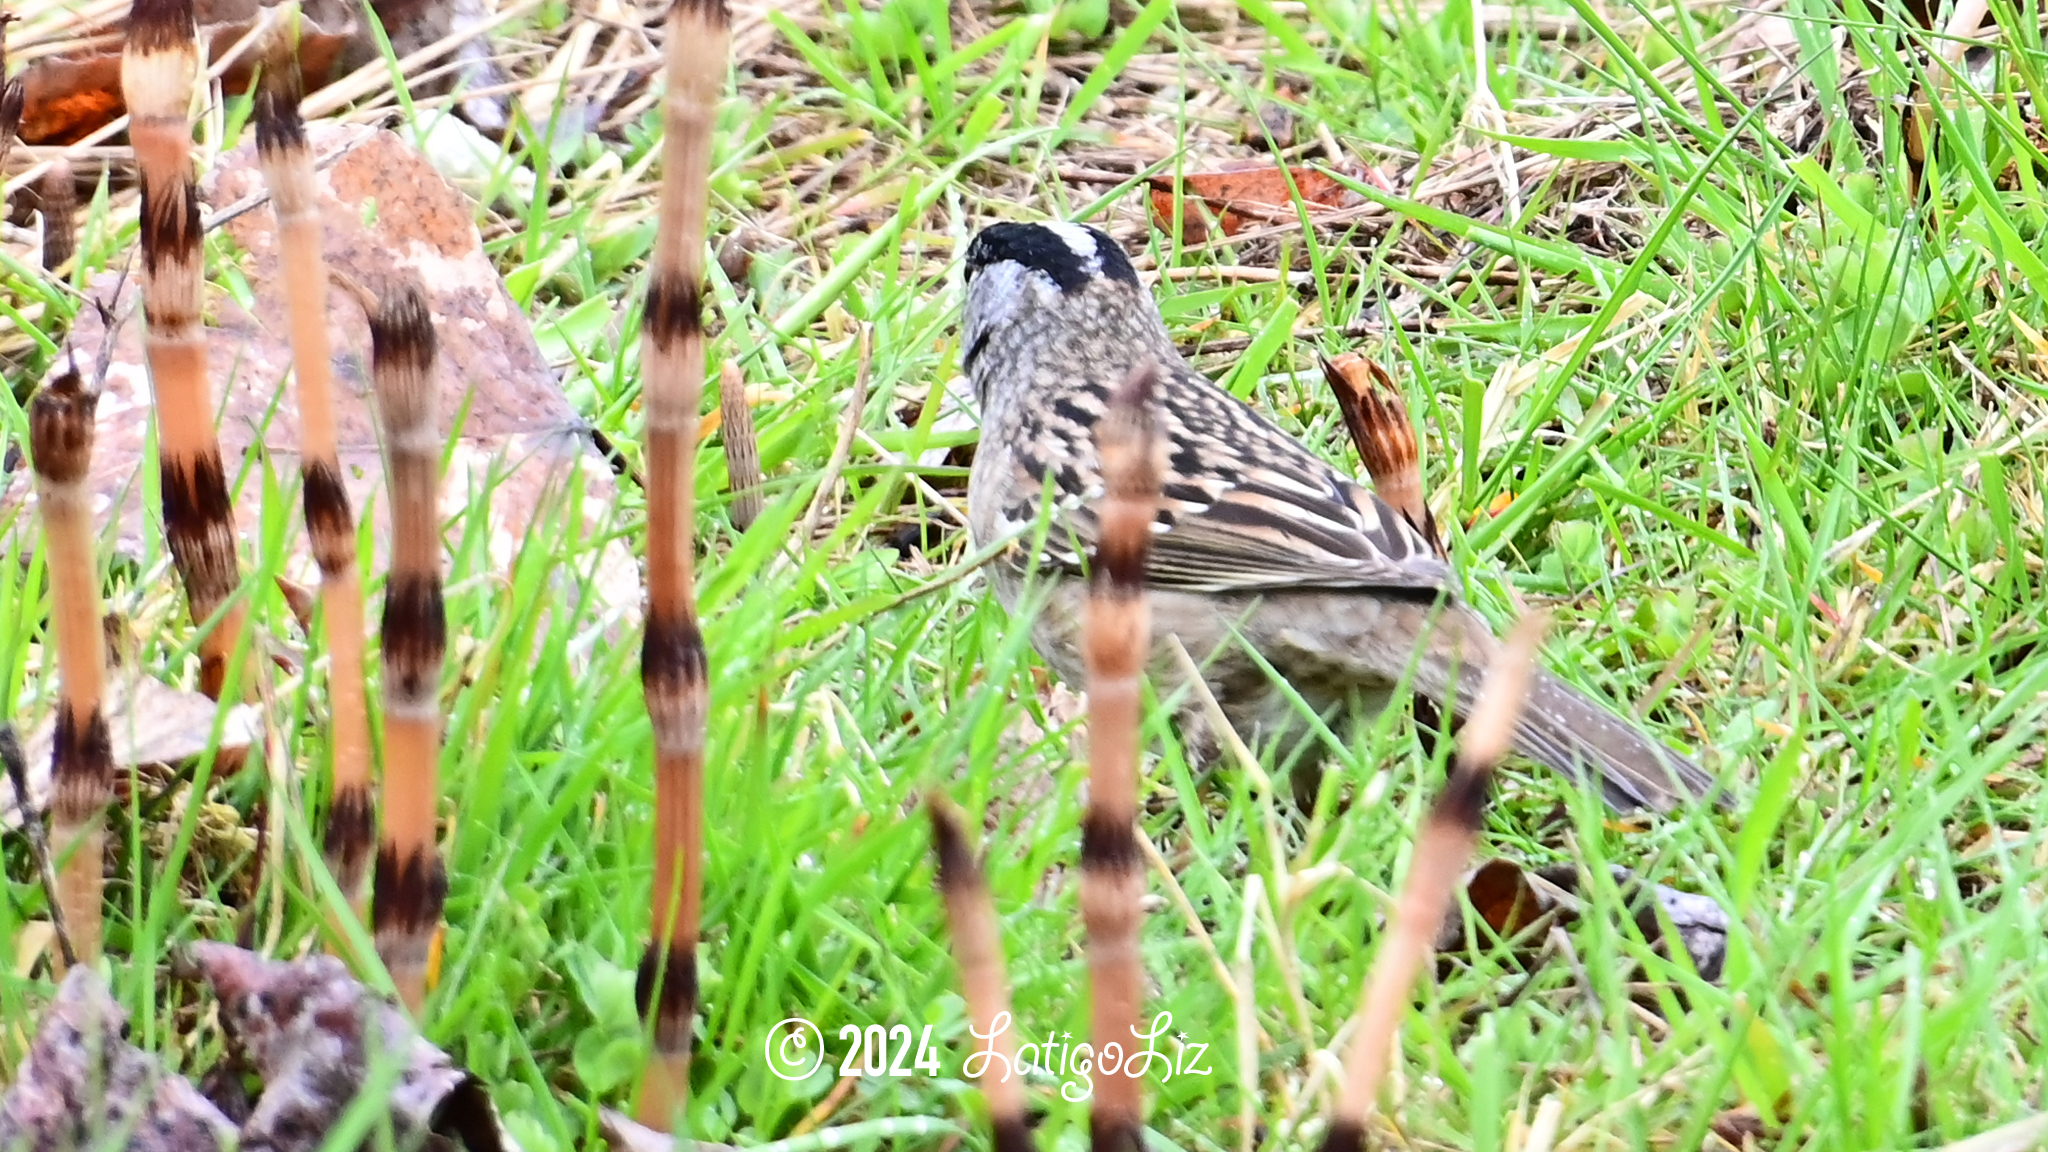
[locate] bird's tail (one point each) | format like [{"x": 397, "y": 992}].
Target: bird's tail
[
  {"x": 1569, "y": 731},
  {"x": 1561, "y": 727}
]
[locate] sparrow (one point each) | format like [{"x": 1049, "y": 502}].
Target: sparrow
[{"x": 1262, "y": 553}]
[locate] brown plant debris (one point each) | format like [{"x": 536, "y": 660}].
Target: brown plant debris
[
  {"x": 149, "y": 722},
  {"x": 520, "y": 433},
  {"x": 316, "y": 1037},
  {"x": 313, "y": 1036},
  {"x": 74, "y": 92},
  {"x": 1240, "y": 195},
  {"x": 1511, "y": 898},
  {"x": 82, "y": 1082}
]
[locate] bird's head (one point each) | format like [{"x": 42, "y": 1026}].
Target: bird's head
[{"x": 1039, "y": 289}]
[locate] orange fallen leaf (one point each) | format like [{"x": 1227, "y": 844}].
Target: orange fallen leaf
[
  {"x": 66, "y": 98},
  {"x": 1498, "y": 505},
  {"x": 1502, "y": 895},
  {"x": 1244, "y": 194},
  {"x": 709, "y": 425},
  {"x": 435, "y": 946}
]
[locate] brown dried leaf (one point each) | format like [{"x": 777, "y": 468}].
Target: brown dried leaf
[
  {"x": 1503, "y": 896},
  {"x": 315, "y": 1036},
  {"x": 1511, "y": 898},
  {"x": 521, "y": 438},
  {"x": 742, "y": 448},
  {"x": 312, "y": 1034},
  {"x": 415, "y": 24},
  {"x": 1740, "y": 1128},
  {"x": 151, "y": 723},
  {"x": 82, "y": 1083},
  {"x": 1244, "y": 194},
  {"x": 71, "y": 96}
]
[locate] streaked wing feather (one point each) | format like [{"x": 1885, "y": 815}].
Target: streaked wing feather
[
  {"x": 1196, "y": 557},
  {"x": 1273, "y": 516},
  {"x": 1245, "y": 508}
]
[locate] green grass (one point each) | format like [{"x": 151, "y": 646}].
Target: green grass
[{"x": 1789, "y": 498}]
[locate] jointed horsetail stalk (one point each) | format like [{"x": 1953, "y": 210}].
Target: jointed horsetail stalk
[
  {"x": 1442, "y": 850},
  {"x": 158, "y": 70},
  {"x": 411, "y": 884},
  {"x": 1116, "y": 640},
  {"x": 82, "y": 759},
  {"x": 57, "y": 196},
  {"x": 330, "y": 523},
  {"x": 978, "y": 953},
  {"x": 672, "y": 661}
]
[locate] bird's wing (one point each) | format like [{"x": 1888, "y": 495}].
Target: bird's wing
[
  {"x": 1244, "y": 545},
  {"x": 1246, "y": 508}
]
